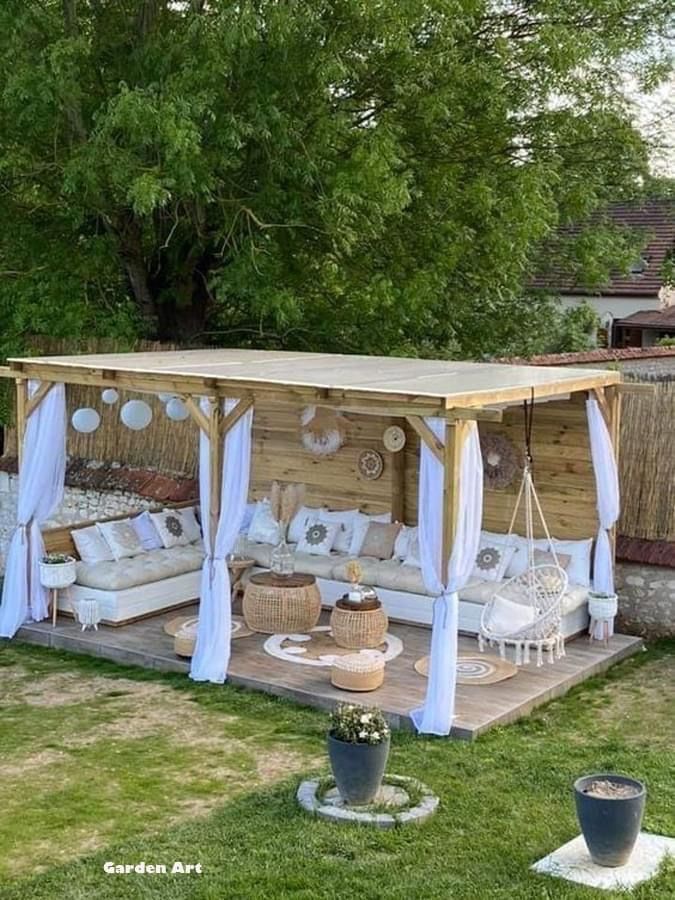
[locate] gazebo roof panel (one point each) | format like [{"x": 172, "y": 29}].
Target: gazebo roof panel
[{"x": 450, "y": 381}]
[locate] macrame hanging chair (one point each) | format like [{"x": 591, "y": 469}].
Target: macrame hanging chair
[{"x": 539, "y": 590}]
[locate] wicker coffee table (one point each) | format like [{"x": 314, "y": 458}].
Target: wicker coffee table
[{"x": 281, "y": 604}]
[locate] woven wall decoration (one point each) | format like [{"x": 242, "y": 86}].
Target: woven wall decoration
[
  {"x": 371, "y": 464},
  {"x": 501, "y": 461},
  {"x": 323, "y": 431},
  {"x": 394, "y": 438}
]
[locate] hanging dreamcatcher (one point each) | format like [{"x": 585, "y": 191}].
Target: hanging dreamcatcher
[
  {"x": 526, "y": 611},
  {"x": 323, "y": 431}
]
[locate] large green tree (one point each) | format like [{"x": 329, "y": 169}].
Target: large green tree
[{"x": 363, "y": 175}]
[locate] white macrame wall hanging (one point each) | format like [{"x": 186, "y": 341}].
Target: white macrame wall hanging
[{"x": 322, "y": 431}]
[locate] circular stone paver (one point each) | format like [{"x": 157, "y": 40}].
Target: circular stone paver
[{"x": 320, "y": 797}]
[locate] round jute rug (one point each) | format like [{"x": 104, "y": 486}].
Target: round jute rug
[
  {"x": 173, "y": 626},
  {"x": 319, "y": 649},
  {"x": 475, "y": 670}
]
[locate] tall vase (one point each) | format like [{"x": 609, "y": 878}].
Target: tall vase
[{"x": 282, "y": 560}]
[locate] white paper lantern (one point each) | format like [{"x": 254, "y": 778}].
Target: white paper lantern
[
  {"x": 165, "y": 397},
  {"x": 136, "y": 414},
  {"x": 177, "y": 410},
  {"x": 85, "y": 420},
  {"x": 110, "y": 396}
]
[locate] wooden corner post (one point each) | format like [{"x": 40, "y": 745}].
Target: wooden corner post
[
  {"x": 21, "y": 416},
  {"x": 455, "y": 438},
  {"x": 215, "y": 468}
]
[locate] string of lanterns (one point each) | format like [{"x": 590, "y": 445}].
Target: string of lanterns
[{"x": 135, "y": 414}]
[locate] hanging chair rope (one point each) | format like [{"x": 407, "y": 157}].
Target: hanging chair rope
[{"x": 540, "y": 587}]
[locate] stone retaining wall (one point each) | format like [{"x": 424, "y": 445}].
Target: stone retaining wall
[{"x": 646, "y": 600}]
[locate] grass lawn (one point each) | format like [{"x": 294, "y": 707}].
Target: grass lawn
[{"x": 100, "y": 762}]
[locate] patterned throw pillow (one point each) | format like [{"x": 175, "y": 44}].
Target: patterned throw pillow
[
  {"x": 121, "y": 537},
  {"x": 380, "y": 539},
  {"x": 345, "y": 519},
  {"x": 318, "y": 538},
  {"x": 170, "y": 526},
  {"x": 91, "y": 546},
  {"x": 190, "y": 524},
  {"x": 298, "y": 523},
  {"x": 492, "y": 560}
]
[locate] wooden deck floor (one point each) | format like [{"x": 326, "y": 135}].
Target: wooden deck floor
[{"x": 478, "y": 708}]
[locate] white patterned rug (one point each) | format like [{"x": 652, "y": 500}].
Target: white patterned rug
[{"x": 319, "y": 649}]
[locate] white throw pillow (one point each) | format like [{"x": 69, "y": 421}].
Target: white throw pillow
[
  {"x": 121, "y": 537},
  {"x": 91, "y": 546},
  {"x": 296, "y": 529},
  {"x": 406, "y": 535},
  {"x": 361, "y": 523},
  {"x": 318, "y": 538},
  {"x": 507, "y": 617},
  {"x": 412, "y": 557},
  {"x": 171, "y": 528},
  {"x": 264, "y": 528},
  {"x": 517, "y": 564},
  {"x": 146, "y": 531},
  {"x": 190, "y": 524},
  {"x": 579, "y": 569},
  {"x": 345, "y": 518},
  {"x": 492, "y": 560},
  {"x": 248, "y": 518}
]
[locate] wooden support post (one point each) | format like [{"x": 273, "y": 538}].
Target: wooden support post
[
  {"x": 21, "y": 417},
  {"x": 455, "y": 437},
  {"x": 215, "y": 468},
  {"x": 231, "y": 419}
]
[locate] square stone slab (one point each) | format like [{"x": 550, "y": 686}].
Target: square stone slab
[{"x": 573, "y": 862}]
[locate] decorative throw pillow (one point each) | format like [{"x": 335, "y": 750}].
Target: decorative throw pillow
[
  {"x": 492, "y": 560},
  {"x": 170, "y": 527},
  {"x": 298, "y": 523},
  {"x": 403, "y": 539},
  {"x": 507, "y": 617},
  {"x": 190, "y": 523},
  {"x": 517, "y": 564},
  {"x": 264, "y": 527},
  {"x": 91, "y": 546},
  {"x": 318, "y": 538},
  {"x": 380, "y": 539},
  {"x": 248, "y": 518},
  {"x": 146, "y": 531},
  {"x": 579, "y": 568},
  {"x": 345, "y": 519},
  {"x": 121, "y": 537},
  {"x": 412, "y": 557},
  {"x": 543, "y": 557},
  {"x": 361, "y": 523}
]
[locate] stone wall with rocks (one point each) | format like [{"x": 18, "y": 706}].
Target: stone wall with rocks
[{"x": 646, "y": 600}]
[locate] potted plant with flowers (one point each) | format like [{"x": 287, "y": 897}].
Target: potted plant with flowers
[
  {"x": 358, "y": 749},
  {"x": 57, "y": 570}
]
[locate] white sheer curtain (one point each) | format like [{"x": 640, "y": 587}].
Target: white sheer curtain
[
  {"x": 607, "y": 496},
  {"x": 212, "y": 649},
  {"x": 41, "y": 478},
  {"x": 436, "y": 716}
]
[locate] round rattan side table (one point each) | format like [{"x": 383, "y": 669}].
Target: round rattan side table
[
  {"x": 281, "y": 604},
  {"x": 358, "y": 626}
]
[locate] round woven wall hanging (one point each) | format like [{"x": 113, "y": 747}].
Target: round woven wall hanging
[
  {"x": 322, "y": 431},
  {"x": 500, "y": 460},
  {"x": 394, "y": 438},
  {"x": 371, "y": 464}
]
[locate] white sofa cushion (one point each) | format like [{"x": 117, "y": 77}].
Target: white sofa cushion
[
  {"x": 478, "y": 591},
  {"x": 369, "y": 568},
  {"x": 345, "y": 519},
  {"x": 579, "y": 569},
  {"x": 264, "y": 528},
  {"x": 312, "y": 564},
  {"x": 395, "y": 576},
  {"x": 121, "y": 537},
  {"x": 154, "y": 565},
  {"x": 91, "y": 546}
]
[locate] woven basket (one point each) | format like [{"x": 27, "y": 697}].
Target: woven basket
[
  {"x": 282, "y": 609},
  {"x": 358, "y": 672},
  {"x": 184, "y": 642},
  {"x": 358, "y": 629}
]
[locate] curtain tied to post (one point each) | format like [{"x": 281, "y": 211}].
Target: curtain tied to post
[
  {"x": 212, "y": 648},
  {"x": 436, "y": 716},
  {"x": 41, "y": 480}
]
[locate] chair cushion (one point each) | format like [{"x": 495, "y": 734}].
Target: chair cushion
[
  {"x": 260, "y": 553},
  {"x": 313, "y": 564},
  {"x": 477, "y": 591},
  {"x": 155, "y": 565}
]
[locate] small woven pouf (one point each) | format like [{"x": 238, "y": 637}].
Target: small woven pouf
[
  {"x": 281, "y": 604},
  {"x": 358, "y": 672}
]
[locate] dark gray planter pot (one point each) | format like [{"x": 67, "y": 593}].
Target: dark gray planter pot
[
  {"x": 358, "y": 769},
  {"x": 610, "y": 826}
]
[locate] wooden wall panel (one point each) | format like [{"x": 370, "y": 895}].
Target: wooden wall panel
[{"x": 563, "y": 469}]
